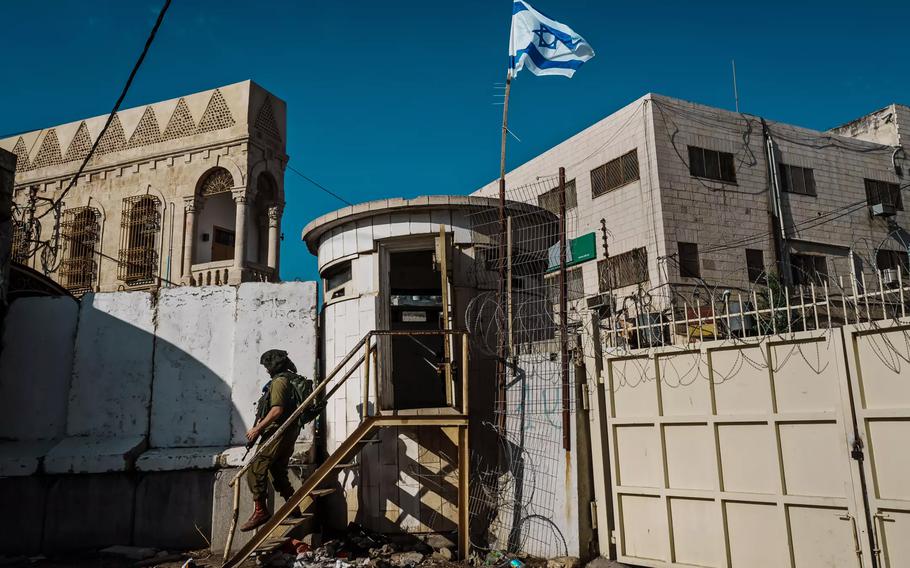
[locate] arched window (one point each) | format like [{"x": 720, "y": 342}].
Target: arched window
[
  {"x": 80, "y": 229},
  {"x": 140, "y": 226},
  {"x": 218, "y": 180}
]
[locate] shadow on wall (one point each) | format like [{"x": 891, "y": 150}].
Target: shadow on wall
[{"x": 121, "y": 409}]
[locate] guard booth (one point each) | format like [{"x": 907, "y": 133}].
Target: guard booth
[{"x": 412, "y": 268}]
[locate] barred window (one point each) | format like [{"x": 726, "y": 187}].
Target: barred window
[
  {"x": 794, "y": 179},
  {"x": 615, "y": 173},
  {"x": 711, "y": 164},
  {"x": 80, "y": 229},
  {"x": 139, "y": 228},
  {"x": 883, "y": 192},
  {"x": 626, "y": 269},
  {"x": 550, "y": 199},
  {"x": 575, "y": 285},
  {"x": 19, "y": 250}
]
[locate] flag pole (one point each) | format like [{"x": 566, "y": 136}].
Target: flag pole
[{"x": 501, "y": 344}]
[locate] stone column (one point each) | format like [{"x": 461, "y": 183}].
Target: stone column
[
  {"x": 191, "y": 206},
  {"x": 274, "y": 236},
  {"x": 239, "y": 231}
]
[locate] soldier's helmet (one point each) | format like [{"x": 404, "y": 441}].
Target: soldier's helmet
[{"x": 275, "y": 361}]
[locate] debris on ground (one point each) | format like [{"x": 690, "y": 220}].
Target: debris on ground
[
  {"x": 564, "y": 562},
  {"x": 360, "y": 547}
]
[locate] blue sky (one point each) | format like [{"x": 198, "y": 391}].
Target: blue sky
[{"x": 396, "y": 98}]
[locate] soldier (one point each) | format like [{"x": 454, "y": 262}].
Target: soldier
[{"x": 280, "y": 397}]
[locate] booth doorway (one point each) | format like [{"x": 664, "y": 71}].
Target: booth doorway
[{"x": 411, "y": 299}]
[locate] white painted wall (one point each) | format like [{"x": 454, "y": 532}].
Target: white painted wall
[
  {"x": 35, "y": 364},
  {"x": 171, "y": 378},
  {"x": 217, "y": 210},
  {"x": 112, "y": 368},
  {"x": 191, "y": 394},
  {"x": 269, "y": 316}
]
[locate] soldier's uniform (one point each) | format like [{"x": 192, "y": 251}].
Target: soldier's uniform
[
  {"x": 273, "y": 462},
  {"x": 286, "y": 389}
]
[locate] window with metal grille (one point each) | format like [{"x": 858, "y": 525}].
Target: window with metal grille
[
  {"x": 755, "y": 264},
  {"x": 550, "y": 199},
  {"x": 80, "y": 229},
  {"x": 883, "y": 192},
  {"x": 808, "y": 269},
  {"x": 688, "y": 260},
  {"x": 796, "y": 179},
  {"x": 711, "y": 164},
  {"x": 615, "y": 173},
  {"x": 19, "y": 248},
  {"x": 575, "y": 285},
  {"x": 140, "y": 225},
  {"x": 626, "y": 269}
]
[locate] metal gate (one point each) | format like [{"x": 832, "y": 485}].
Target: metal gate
[
  {"x": 744, "y": 453},
  {"x": 878, "y": 364}
]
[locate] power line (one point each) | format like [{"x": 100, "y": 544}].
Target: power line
[
  {"x": 320, "y": 186},
  {"x": 110, "y": 118}
]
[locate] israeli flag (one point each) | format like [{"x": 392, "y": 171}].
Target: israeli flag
[{"x": 544, "y": 46}]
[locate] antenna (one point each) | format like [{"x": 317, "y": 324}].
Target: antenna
[{"x": 735, "y": 92}]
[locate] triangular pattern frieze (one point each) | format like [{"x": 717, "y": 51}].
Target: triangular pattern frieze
[
  {"x": 180, "y": 124},
  {"x": 80, "y": 145},
  {"x": 217, "y": 115},
  {"x": 49, "y": 152},
  {"x": 147, "y": 131},
  {"x": 21, "y": 152}
]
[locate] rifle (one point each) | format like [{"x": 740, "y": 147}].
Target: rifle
[{"x": 249, "y": 446}]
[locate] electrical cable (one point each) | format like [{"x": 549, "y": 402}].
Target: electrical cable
[
  {"x": 320, "y": 186},
  {"x": 113, "y": 113}
]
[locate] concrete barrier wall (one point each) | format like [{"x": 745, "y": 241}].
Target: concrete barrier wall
[
  {"x": 193, "y": 356},
  {"x": 35, "y": 363},
  {"x": 112, "y": 368},
  {"x": 269, "y": 317},
  {"x": 104, "y": 380}
]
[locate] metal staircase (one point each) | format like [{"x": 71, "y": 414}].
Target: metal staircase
[{"x": 275, "y": 533}]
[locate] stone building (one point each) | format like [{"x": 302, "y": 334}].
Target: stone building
[
  {"x": 686, "y": 194},
  {"x": 184, "y": 191},
  {"x": 7, "y": 167}
]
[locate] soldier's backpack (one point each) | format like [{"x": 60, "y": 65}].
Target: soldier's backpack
[{"x": 302, "y": 388}]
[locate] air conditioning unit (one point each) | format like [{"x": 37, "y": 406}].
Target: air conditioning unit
[
  {"x": 890, "y": 277},
  {"x": 881, "y": 210}
]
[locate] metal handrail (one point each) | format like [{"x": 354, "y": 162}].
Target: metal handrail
[{"x": 364, "y": 343}]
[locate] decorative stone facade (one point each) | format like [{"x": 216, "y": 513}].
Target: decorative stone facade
[
  {"x": 7, "y": 167},
  {"x": 184, "y": 191}
]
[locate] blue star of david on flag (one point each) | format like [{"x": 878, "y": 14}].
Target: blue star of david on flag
[{"x": 543, "y": 45}]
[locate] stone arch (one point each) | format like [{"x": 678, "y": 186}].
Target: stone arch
[
  {"x": 237, "y": 172},
  {"x": 215, "y": 180},
  {"x": 267, "y": 201},
  {"x": 270, "y": 167}
]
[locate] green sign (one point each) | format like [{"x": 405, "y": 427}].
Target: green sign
[{"x": 580, "y": 250}]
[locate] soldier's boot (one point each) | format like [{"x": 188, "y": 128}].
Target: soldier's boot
[
  {"x": 259, "y": 517},
  {"x": 295, "y": 512}
]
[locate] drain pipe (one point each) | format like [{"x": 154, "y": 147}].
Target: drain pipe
[{"x": 778, "y": 231}]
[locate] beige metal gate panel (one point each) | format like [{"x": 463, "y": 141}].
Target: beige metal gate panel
[
  {"x": 878, "y": 357},
  {"x": 734, "y": 455}
]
